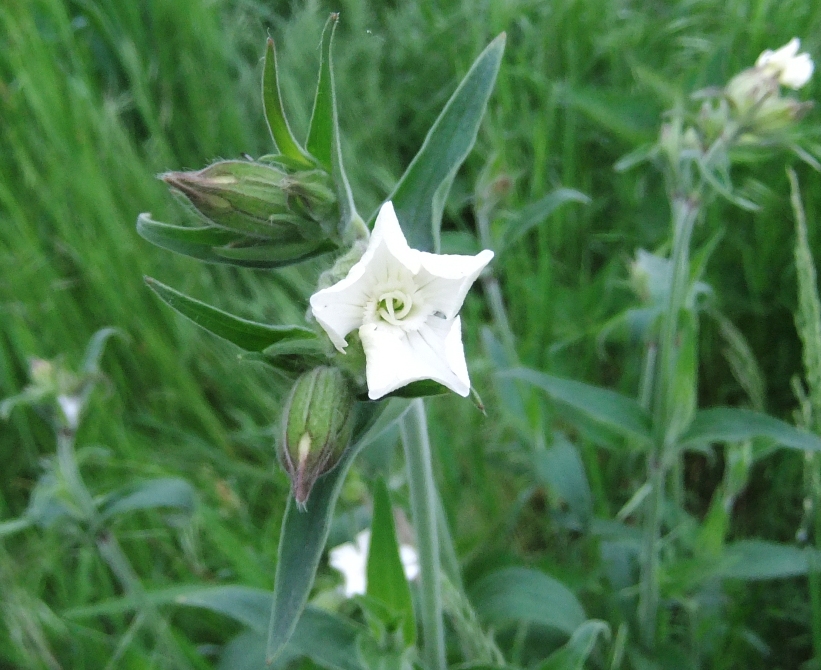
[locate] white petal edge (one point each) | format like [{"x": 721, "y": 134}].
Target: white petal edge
[
  {"x": 387, "y": 229},
  {"x": 395, "y": 358}
]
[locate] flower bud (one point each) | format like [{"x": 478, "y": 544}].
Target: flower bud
[
  {"x": 261, "y": 200},
  {"x": 748, "y": 90},
  {"x": 317, "y": 426}
]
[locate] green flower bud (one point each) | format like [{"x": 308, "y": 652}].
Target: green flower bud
[
  {"x": 261, "y": 200},
  {"x": 748, "y": 90},
  {"x": 317, "y": 425}
]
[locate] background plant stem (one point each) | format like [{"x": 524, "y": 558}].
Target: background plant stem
[
  {"x": 685, "y": 211},
  {"x": 414, "y": 428}
]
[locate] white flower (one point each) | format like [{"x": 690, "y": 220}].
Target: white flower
[
  {"x": 405, "y": 304},
  {"x": 351, "y": 559},
  {"x": 791, "y": 68}
]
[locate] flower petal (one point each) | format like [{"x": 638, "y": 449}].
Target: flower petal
[
  {"x": 339, "y": 309},
  {"x": 387, "y": 230},
  {"x": 395, "y": 357},
  {"x": 445, "y": 280}
]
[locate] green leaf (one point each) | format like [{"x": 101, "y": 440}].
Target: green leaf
[
  {"x": 573, "y": 655},
  {"x": 521, "y": 594},
  {"x": 304, "y": 533},
  {"x": 419, "y": 389},
  {"x": 275, "y": 113},
  {"x": 251, "y": 607},
  {"x": 321, "y": 129},
  {"x": 758, "y": 560},
  {"x": 248, "y": 335},
  {"x": 730, "y": 424},
  {"x": 194, "y": 242},
  {"x": 278, "y": 254},
  {"x": 534, "y": 214},
  {"x": 13, "y": 526},
  {"x": 170, "y": 492},
  {"x": 616, "y": 411},
  {"x": 560, "y": 467},
  {"x": 217, "y": 245},
  {"x": 95, "y": 349},
  {"x": 419, "y": 195},
  {"x": 386, "y": 576}
]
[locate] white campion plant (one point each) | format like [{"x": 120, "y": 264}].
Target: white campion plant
[
  {"x": 792, "y": 69},
  {"x": 351, "y": 559},
  {"x": 405, "y": 305}
]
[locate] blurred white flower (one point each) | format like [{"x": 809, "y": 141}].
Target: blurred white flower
[
  {"x": 791, "y": 68},
  {"x": 405, "y": 304},
  {"x": 351, "y": 559}
]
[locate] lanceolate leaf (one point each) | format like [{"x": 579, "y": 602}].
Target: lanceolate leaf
[
  {"x": 274, "y": 112},
  {"x": 248, "y": 335},
  {"x": 321, "y": 130},
  {"x": 251, "y": 607},
  {"x": 166, "y": 492},
  {"x": 304, "y": 533},
  {"x": 217, "y": 245},
  {"x": 510, "y": 595},
  {"x": 730, "y": 424},
  {"x": 386, "y": 576},
  {"x": 573, "y": 655},
  {"x": 418, "y": 197},
  {"x": 532, "y": 215},
  {"x": 194, "y": 242},
  {"x": 758, "y": 560},
  {"x": 608, "y": 407}
]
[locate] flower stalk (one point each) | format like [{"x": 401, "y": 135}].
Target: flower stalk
[{"x": 414, "y": 430}]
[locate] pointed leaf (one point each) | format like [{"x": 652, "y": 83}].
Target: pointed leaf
[
  {"x": 758, "y": 560},
  {"x": 250, "y": 607},
  {"x": 573, "y": 655},
  {"x": 274, "y": 255},
  {"x": 521, "y": 594},
  {"x": 194, "y": 242},
  {"x": 419, "y": 196},
  {"x": 96, "y": 347},
  {"x": 169, "y": 492},
  {"x": 534, "y": 214},
  {"x": 304, "y": 533},
  {"x": 731, "y": 424},
  {"x": 608, "y": 407},
  {"x": 217, "y": 245},
  {"x": 560, "y": 467},
  {"x": 385, "y": 574},
  {"x": 275, "y": 113},
  {"x": 321, "y": 130},
  {"x": 248, "y": 335}
]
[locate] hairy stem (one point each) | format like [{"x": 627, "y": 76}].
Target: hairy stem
[{"x": 414, "y": 428}]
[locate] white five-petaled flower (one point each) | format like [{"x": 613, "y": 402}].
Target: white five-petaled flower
[
  {"x": 351, "y": 559},
  {"x": 791, "y": 68},
  {"x": 405, "y": 304}
]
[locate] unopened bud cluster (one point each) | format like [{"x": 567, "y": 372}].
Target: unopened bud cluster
[
  {"x": 317, "y": 425},
  {"x": 750, "y": 110},
  {"x": 261, "y": 200}
]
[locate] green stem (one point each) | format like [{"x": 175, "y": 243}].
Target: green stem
[
  {"x": 414, "y": 428},
  {"x": 685, "y": 212},
  {"x": 815, "y": 564}
]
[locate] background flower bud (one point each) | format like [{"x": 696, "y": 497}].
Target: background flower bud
[
  {"x": 261, "y": 200},
  {"x": 317, "y": 426}
]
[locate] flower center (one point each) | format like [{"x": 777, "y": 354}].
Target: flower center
[{"x": 394, "y": 306}]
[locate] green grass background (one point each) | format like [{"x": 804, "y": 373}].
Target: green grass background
[{"x": 98, "y": 96}]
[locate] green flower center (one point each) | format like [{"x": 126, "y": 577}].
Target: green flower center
[{"x": 394, "y": 306}]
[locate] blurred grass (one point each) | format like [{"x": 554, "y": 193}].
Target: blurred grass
[{"x": 96, "y": 97}]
